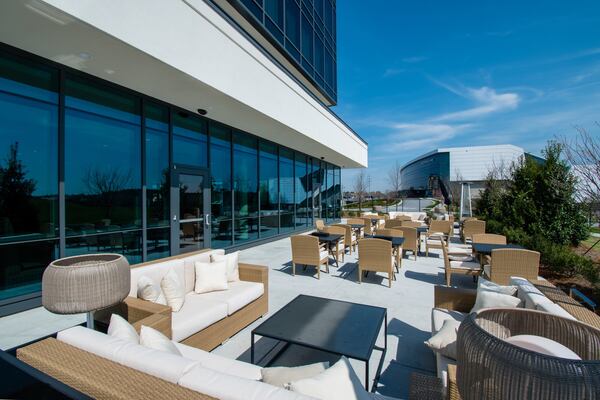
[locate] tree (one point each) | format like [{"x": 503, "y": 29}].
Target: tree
[
  {"x": 395, "y": 181},
  {"x": 106, "y": 184},
  {"x": 583, "y": 153},
  {"x": 360, "y": 187}
]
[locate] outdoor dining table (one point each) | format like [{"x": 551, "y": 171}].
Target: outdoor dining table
[
  {"x": 485, "y": 249},
  {"x": 396, "y": 244},
  {"x": 358, "y": 228},
  {"x": 331, "y": 240}
]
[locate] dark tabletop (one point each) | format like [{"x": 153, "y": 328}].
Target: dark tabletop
[
  {"x": 422, "y": 229},
  {"x": 357, "y": 226},
  {"x": 396, "y": 241},
  {"x": 334, "y": 326},
  {"x": 327, "y": 237},
  {"x": 486, "y": 248}
]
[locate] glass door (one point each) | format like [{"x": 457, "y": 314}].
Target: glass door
[{"x": 191, "y": 212}]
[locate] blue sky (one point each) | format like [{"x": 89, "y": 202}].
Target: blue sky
[{"x": 417, "y": 75}]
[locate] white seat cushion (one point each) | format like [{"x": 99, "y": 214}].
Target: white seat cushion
[
  {"x": 543, "y": 345},
  {"x": 555, "y": 309},
  {"x": 527, "y": 292},
  {"x": 153, "y": 339},
  {"x": 197, "y": 313},
  {"x": 229, "y": 387},
  {"x": 489, "y": 299},
  {"x": 239, "y": 294},
  {"x": 459, "y": 250},
  {"x": 470, "y": 265},
  {"x": 439, "y": 315},
  {"x": 153, "y": 362},
  {"x": 219, "y": 363}
]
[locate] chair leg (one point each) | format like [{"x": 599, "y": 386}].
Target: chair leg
[
  {"x": 359, "y": 274},
  {"x": 319, "y": 271},
  {"x": 390, "y": 280},
  {"x": 448, "y": 275},
  {"x": 293, "y": 268}
]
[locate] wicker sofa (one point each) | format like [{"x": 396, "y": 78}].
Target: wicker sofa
[
  {"x": 205, "y": 320},
  {"x": 455, "y": 303}
]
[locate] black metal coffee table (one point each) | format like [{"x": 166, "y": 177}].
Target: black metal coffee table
[{"x": 337, "y": 327}]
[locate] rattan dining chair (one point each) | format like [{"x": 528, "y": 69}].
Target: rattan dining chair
[
  {"x": 350, "y": 239},
  {"x": 403, "y": 218},
  {"x": 436, "y": 228},
  {"x": 337, "y": 230},
  {"x": 512, "y": 262},
  {"x": 464, "y": 267},
  {"x": 357, "y": 221},
  {"x": 368, "y": 226},
  {"x": 306, "y": 250},
  {"x": 397, "y": 251},
  {"x": 472, "y": 227},
  {"x": 411, "y": 239},
  {"x": 412, "y": 224},
  {"x": 319, "y": 224},
  {"x": 392, "y": 223},
  {"x": 375, "y": 255},
  {"x": 490, "y": 238}
]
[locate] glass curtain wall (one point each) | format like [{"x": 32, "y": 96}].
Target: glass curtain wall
[
  {"x": 268, "y": 189},
  {"x": 286, "y": 189},
  {"x": 302, "y": 192},
  {"x": 28, "y": 175},
  {"x": 102, "y": 170},
  {"x": 221, "y": 194},
  {"x": 338, "y": 193},
  {"x": 245, "y": 186},
  {"x": 316, "y": 188},
  {"x": 156, "y": 121},
  {"x": 324, "y": 193},
  {"x": 330, "y": 193}
]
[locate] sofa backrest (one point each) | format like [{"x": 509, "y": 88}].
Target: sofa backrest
[{"x": 183, "y": 266}]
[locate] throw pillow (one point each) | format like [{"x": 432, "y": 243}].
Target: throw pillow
[
  {"x": 232, "y": 260},
  {"x": 444, "y": 342},
  {"x": 281, "y": 376},
  {"x": 153, "y": 339},
  {"x": 211, "y": 277},
  {"x": 484, "y": 284},
  {"x": 543, "y": 345},
  {"x": 488, "y": 299},
  {"x": 336, "y": 383},
  {"x": 173, "y": 289},
  {"x": 120, "y": 328},
  {"x": 147, "y": 290}
]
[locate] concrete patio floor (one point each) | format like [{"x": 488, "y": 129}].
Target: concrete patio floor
[{"x": 408, "y": 301}]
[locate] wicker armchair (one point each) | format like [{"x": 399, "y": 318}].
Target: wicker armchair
[
  {"x": 403, "y": 218},
  {"x": 512, "y": 262},
  {"x": 368, "y": 226},
  {"x": 411, "y": 240},
  {"x": 319, "y": 224},
  {"x": 350, "y": 239},
  {"x": 397, "y": 251},
  {"x": 436, "y": 228},
  {"x": 375, "y": 255},
  {"x": 412, "y": 224},
  {"x": 457, "y": 267},
  {"x": 306, "y": 250},
  {"x": 472, "y": 227},
  {"x": 338, "y": 230},
  {"x": 392, "y": 223},
  {"x": 489, "y": 238}
]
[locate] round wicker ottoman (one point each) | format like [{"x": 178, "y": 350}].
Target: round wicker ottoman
[
  {"x": 490, "y": 368},
  {"x": 85, "y": 283}
]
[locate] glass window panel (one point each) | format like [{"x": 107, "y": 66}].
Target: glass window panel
[
  {"x": 189, "y": 140},
  {"x": 269, "y": 189},
  {"x": 324, "y": 193},
  {"x": 21, "y": 76},
  {"x": 338, "y": 193},
  {"x": 328, "y": 17},
  {"x": 274, "y": 9},
  {"x": 319, "y": 8},
  {"x": 292, "y": 22},
  {"x": 128, "y": 243},
  {"x": 220, "y": 161},
  {"x": 253, "y": 8},
  {"x": 158, "y": 243},
  {"x": 157, "y": 165},
  {"x": 316, "y": 188},
  {"x": 286, "y": 189},
  {"x": 22, "y": 266},
  {"x": 328, "y": 69},
  {"x": 245, "y": 185},
  {"x": 275, "y": 31},
  {"x": 28, "y": 169},
  {"x": 319, "y": 55},
  {"x": 307, "y": 40},
  {"x": 330, "y": 192},
  {"x": 301, "y": 191}
]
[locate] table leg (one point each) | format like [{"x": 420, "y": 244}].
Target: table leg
[
  {"x": 252, "y": 348},
  {"x": 367, "y": 375}
]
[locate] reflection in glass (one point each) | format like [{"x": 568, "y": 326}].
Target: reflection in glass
[
  {"x": 286, "y": 189},
  {"x": 189, "y": 140},
  {"x": 330, "y": 193},
  {"x": 158, "y": 243},
  {"x": 127, "y": 243},
  {"x": 316, "y": 188},
  {"x": 338, "y": 193},
  {"x": 157, "y": 165},
  {"x": 324, "y": 193},
  {"x": 269, "y": 189},
  {"x": 22, "y": 266},
  {"x": 301, "y": 187},
  {"x": 220, "y": 183},
  {"x": 102, "y": 160},
  {"x": 191, "y": 212},
  {"x": 245, "y": 186}
]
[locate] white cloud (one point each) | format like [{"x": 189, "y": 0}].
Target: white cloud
[
  {"x": 392, "y": 72},
  {"x": 411, "y": 136},
  {"x": 488, "y": 100},
  {"x": 414, "y": 59}
]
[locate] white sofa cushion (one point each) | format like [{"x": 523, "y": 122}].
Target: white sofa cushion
[
  {"x": 484, "y": 284},
  {"x": 197, "y": 313},
  {"x": 153, "y": 362},
  {"x": 239, "y": 294},
  {"x": 555, "y": 309},
  {"x": 338, "y": 382},
  {"x": 174, "y": 290},
  {"x": 232, "y": 261},
  {"x": 153, "y": 339},
  {"x": 528, "y": 293},
  {"x": 122, "y": 329},
  {"x": 148, "y": 290},
  {"x": 439, "y": 315},
  {"x": 156, "y": 273},
  {"x": 211, "y": 277},
  {"x": 543, "y": 345},
  {"x": 444, "y": 341},
  {"x": 189, "y": 267},
  {"x": 219, "y": 363},
  {"x": 228, "y": 387},
  {"x": 488, "y": 299},
  {"x": 281, "y": 376}
]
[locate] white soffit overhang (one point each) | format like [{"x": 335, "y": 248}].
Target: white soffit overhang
[{"x": 184, "y": 53}]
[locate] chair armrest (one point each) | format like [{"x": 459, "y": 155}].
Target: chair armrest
[
  {"x": 452, "y": 386},
  {"x": 254, "y": 273},
  {"x": 160, "y": 322},
  {"x": 135, "y": 309},
  {"x": 450, "y": 298}
]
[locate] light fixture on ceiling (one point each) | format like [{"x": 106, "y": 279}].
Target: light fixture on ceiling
[
  {"x": 85, "y": 56},
  {"x": 201, "y": 111}
]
